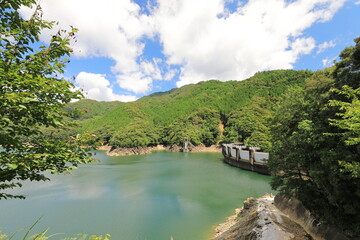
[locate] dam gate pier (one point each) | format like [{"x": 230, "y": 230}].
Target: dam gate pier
[{"x": 246, "y": 157}]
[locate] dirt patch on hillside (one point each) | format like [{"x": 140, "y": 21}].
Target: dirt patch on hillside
[{"x": 202, "y": 148}]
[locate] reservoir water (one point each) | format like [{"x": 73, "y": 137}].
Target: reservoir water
[{"x": 152, "y": 197}]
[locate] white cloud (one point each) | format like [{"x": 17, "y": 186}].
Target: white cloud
[
  {"x": 328, "y": 62},
  {"x": 97, "y": 87},
  {"x": 140, "y": 81},
  {"x": 135, "y": 82},
  {"x": 357, "y": 3},
  {"x": 170, "y": 74},
  {"x": 111, "y": 29},
  {"x": 322, "y": 47},
  {"x": 202, "y": 38},
  {"x": 260, "y": 35}
]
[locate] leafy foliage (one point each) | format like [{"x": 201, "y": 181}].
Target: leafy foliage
[
  {"x": 88, "y": 108},
  {"x": 316, "y": 155},
  {"x": 201, "y": 127},
  {"x": 32, "y": 97},
  {"x": 138, "y": 133},
  {"x": 250, "y": 124},
  {"x": 349, "y": 120}
]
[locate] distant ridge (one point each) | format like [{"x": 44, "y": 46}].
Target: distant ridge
[{"x": 197, "y": 109}]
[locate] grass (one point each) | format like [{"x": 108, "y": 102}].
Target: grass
[{"x": 43, "y": 235}]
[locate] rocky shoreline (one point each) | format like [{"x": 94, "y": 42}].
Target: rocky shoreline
[
  {"x": 148, "y": 150},
  {"x": 277, "y": 218},
  {"x": 259, "y": 219}
]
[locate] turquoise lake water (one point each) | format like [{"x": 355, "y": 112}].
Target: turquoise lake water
[{"x": 152, "y": 197}]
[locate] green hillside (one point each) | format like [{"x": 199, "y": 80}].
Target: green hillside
[
  {"x": 221, "y": 96},
  {"x": 88, "y": 108},
  {"x": 193, "y": 111}
]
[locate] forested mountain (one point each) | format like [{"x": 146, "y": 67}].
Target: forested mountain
[
  {"x": 308, "y": 121},
  {"x": 88, "y": 108},
  {"x": 194, "y": 111}
]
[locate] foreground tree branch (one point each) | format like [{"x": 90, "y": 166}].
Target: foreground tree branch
[{"x": 31, "y": 98}]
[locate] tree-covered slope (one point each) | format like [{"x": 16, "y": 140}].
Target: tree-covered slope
[
  {"x": 315, "y": 134},
  {"x": 221, "y": 96},
  {"x": 164, "y": 111},
  {"x": 88, "y": 108}
]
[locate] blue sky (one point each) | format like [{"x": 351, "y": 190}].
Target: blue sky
[{"x": 127, "y": 49}]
